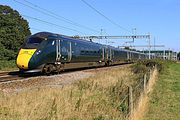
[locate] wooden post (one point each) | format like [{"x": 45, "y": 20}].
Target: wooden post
[
  {"x": 150, "y": 72},
  {"x": 145, "y": 81},
  {"x": 130, "y": 101}
]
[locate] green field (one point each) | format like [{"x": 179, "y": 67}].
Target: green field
[{"x": 165, "y": 99}]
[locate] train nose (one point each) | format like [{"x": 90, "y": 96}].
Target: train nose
[{"x": 24, "y": 57}]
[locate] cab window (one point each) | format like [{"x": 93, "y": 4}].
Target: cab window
[{"x": 34, "y": 40}]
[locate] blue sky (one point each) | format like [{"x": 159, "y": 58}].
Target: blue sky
[{"x": 160, "y": 18}]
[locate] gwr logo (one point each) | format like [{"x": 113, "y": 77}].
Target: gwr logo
[{"x": 25, "y": 52}]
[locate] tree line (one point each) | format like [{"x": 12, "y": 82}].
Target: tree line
[
  {"x": 178, "y": 55},
  {"x": 13, "y": 31}
]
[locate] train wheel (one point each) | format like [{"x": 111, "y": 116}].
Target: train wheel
[
  {"x": 48, "y": 69},
  {"x": 108, "y": 63}
]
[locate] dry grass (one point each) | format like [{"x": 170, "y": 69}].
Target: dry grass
[
  {"x": 143, "y": 100},
  {"x": 97, "y": 97}
]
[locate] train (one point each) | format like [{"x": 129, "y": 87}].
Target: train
[{"x": 52, "y": 53}]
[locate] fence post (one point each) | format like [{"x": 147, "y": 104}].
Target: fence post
[
  {"x": 150, "y": 72},
  {"x": 130, "y": 101},
  {"x": 145, "y": 81}
]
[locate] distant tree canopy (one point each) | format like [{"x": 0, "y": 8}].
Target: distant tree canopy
[
  {"x": 13, "y": 31},
  {"x": 178, "y": 55},
  {"x": 128, "y": 48}
]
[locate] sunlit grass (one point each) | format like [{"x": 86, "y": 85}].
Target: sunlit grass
[
  {"x": 97, "y": 97},
  {"x": 165, "y": 99}
]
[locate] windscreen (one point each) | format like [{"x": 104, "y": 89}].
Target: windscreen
[{"x": 32, "y": 42}]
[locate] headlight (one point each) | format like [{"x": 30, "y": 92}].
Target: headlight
[{"x": 38, "y": 52}]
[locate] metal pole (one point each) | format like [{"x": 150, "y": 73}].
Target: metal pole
[
  {"x": 154, "y": 43},
  {"x": 164, "y": 54},
  {"x": 176, "y": 56},
  {"x": 149, "y": 47},
  {"x": 169, "y": 54},
  {"x": 101, "y": 35}
]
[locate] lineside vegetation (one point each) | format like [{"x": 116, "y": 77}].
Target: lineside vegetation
[
  {"x": 13, "y": 31},
  {"x": 165, "y": 98},
  {"x": 7, "y": 65},
  {"x": 96, "y": 98}
]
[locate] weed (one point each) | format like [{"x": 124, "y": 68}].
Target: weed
[
  {"x": 100, "y": 117},
  {"x": 123, "y": 107},
  {"x": 74, "y": 118},
  {"x": 78, "y": 103}
]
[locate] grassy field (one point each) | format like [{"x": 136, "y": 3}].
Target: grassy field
[
  {"x": 98, "y": 97},
  {"x": 7, "y": 65},
  {"x": 94, "y": 98},
  {"x": 165, "y": 99}
]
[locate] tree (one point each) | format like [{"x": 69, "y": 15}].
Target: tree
[
  {"x": 178, "y": 55},
  {"x": 13, "y": 31}
]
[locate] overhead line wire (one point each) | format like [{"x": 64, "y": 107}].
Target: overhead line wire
[
  {"x": 37, "y": 29},
  {"x": 67, "y": 20},
  {"x": 43, "y": 21},
  {"x": 51, "y": 14},
  {"x": 111, "y": 21}
]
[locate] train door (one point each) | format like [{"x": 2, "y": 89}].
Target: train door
[
  {"x": 103, "y": 54},
  {"x": 66, "y": 51},
  {"x": 58, "y": 50},
  {"x": 106, "y": 54},
  {"x": 110, "y": 54},
  {"x": 128, "y": 55}
]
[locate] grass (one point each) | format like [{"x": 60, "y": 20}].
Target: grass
[
  {"x": 94, "y": 98},
  {"x": 6, "y": 65},
  {"x": 165, "y": 99}
]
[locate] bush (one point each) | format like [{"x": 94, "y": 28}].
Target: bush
[
  {"x": 6, "y": 65},
  {"x": 143, "y": 66}
]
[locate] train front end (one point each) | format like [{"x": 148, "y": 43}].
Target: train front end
[
  {"x": 28, "y": 54},
  {"x": 24, "y": 57}
]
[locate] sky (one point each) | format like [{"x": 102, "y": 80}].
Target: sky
[{"x": 159, "y": 18}]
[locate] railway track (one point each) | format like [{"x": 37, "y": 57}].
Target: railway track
[
  {"x": 12, "y": 82},
  {"x": 9, "y": 76},
  {"x": 6, "y": 77},
  {"x": 4, "y": 73}
]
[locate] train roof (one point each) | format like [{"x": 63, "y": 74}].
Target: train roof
[
  {"x": 45, "y": 35},
  {"x": 49, "y": 34}
]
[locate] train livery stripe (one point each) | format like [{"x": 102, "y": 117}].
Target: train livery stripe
[{"x": 24, "y": 57}]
